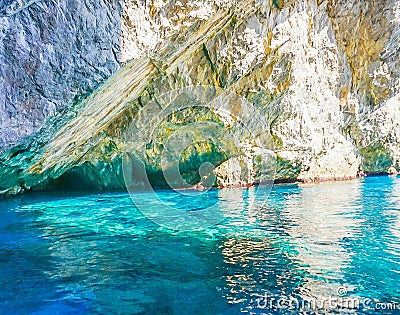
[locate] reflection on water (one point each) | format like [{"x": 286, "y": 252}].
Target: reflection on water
[
  {"x": 393, "y": 211},
  {"x": 376, "y": 249},
  {"x": 321, "y": 219},
  {"x": 97, "y": 254}
]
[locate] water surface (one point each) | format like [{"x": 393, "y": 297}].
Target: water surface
[{"x": 97, "y": 254}]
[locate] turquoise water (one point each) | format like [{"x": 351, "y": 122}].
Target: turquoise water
[{"x": 307, "y": 246}]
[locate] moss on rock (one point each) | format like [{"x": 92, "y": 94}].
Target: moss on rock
[{"x": 375, "y": 158}]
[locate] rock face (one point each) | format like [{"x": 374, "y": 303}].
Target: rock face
[
  {"x": 325, "y": 75},
  {"x": 51, "y": 53}
]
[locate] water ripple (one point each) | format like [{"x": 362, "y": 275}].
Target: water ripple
[{"x": 96, "y": 254}]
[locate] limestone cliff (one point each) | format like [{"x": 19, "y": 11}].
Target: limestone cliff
[{"x": 325, "y": 74}]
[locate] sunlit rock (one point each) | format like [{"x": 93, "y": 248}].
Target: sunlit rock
[{"x": 325, "y": 75}]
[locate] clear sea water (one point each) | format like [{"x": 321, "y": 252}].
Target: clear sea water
[{"x": 328, "y": 248}]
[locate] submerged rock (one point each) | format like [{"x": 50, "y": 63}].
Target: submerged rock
[{"x": 324, "y": 75}]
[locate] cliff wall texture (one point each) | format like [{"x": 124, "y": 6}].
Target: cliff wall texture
[{"x": 324, "y": 74}]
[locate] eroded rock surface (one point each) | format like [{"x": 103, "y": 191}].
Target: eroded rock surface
[
  {"x": 325, "y": 74},
  {"x": 51, "y": 53}
]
